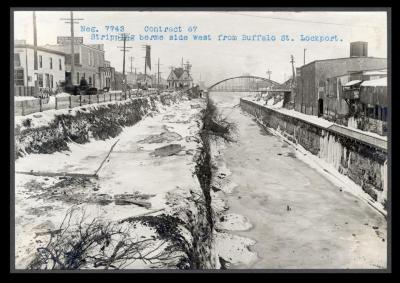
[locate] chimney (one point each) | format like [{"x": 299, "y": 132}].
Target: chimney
[{"x": 359, "y": 49}]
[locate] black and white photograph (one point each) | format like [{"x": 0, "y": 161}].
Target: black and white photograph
[{"x": 211, "y": 140}]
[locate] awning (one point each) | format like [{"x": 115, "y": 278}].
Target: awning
[
  {"x": 375, "y": 83},
  {"x": 351, "y": 83}
]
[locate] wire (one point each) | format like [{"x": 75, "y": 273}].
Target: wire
[{"x": 303, "y": 21}]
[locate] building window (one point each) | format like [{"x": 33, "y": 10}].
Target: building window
[
  {"x": 377, "y": 112},
  {"x": 370, "y": 111},
  {"x": 40, "y": 61},
  {"x": 384, "y": 114},
  {"x": 17, "y": 60},
  {"x": 51, "y": 81},
  {"x": 60, "y": 64},
  {"x": 51, "y": 63},
  {"x": 47, "y": 80},
  {"x": 19, "y": 77},
  {"x": 40, "y": 80}
]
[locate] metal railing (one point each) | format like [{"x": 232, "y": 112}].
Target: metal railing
[{"x": 26, "y": 107}]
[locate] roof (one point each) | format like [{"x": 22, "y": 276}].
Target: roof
[
  {"x": 283, "y": 87},
  {"x": 40, "y": 48},
  {"x": 375, "y": 83},
  {"x": 178, "y": 72},
  {"x": 375, "y": 72},
  {"x": 76, "y": 44},
  {"x": 343, "y": 58}
]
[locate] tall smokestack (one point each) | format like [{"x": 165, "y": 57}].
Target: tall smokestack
[{"x": 359, "y": 49}]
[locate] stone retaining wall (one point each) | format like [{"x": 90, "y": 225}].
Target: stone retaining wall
[{"x": 364, "y": 164}]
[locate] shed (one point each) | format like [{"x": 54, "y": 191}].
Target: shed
[{"x": 374, "y": 92}]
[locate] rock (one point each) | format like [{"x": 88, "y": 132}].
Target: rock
[
  {"x": 375, "y": 227},
  {"x": 167, "y": 150},
  {"x": 215, "y": 189},
  {"x": 102, "y": 199},
  {"x": 163, "y": 137},
  {"x": 195, "y": 106},
  {"x": 128, "y": 199},
  {"x": 223, "y": 263}
]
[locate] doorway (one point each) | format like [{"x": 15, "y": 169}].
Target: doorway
[{"x": 320, "y": 107}]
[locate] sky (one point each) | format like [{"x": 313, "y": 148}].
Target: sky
[{"x": 215, "y": 60}]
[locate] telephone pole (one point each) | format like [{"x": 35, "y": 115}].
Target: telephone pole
[
  {"x": 158, "y": 73},
  {"x": 131, "y": 62},
  {"x": 124, "y": 49},
  {"x": 72, "y": 21},
  {"x": 269, "y": 74},
  {"x": 35, "y": 63},
  {"x": 188, "y": 66}
]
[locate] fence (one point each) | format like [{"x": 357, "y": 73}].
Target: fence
[
  {"x": 22, "y": 108},
  {"x": 20, "y": 90}
]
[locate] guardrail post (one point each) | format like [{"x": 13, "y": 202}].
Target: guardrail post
[
  {"x": 97, "y": 95},
  {"x": 80, "y": 100},
  {"x": 56, "y": 102},
  {"x": 40, "y": 104},
  {"x": 70, "y": 104},
  {"x": 89, "y": 98}
]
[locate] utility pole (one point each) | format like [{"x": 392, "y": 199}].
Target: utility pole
[
  {"x": 131, "y": 62},
  {"x": 293, "y": 78},
  {"x": 188, "y": 66},
  {"x": 35, "y": 59},
  {"x": 158, "y": 73},
  {"x": 269, "y": 74},
  {"x": 72, "y": 21},
  {"x": 304, "y": 56},
  {"x": 124, "y": 49}
]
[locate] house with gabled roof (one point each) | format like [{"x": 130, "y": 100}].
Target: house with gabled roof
[{"x": 179, "y": 78}]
